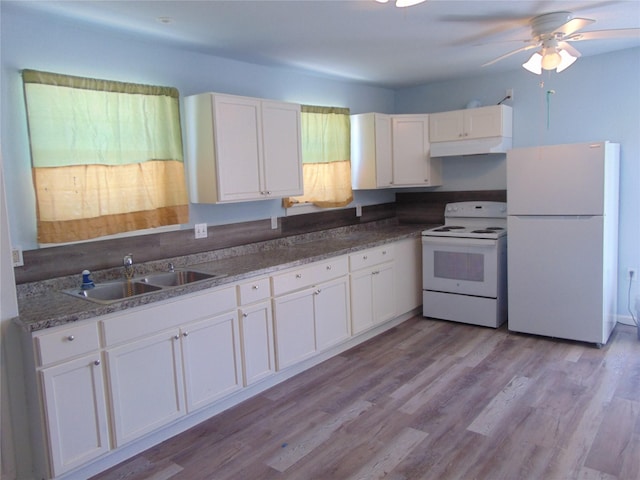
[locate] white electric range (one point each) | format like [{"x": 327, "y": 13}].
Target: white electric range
[{"x": 464, "y": 265}]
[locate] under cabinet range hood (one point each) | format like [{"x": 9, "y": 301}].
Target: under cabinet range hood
[
  {"x": 478, "y": 146},
  {"x": 473, "y": 131}
]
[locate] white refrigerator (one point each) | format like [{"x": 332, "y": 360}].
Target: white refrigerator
[{"x": 562, "y": 224}]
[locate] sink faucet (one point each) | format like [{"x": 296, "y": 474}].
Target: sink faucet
[{"x": 128, "y": 266}]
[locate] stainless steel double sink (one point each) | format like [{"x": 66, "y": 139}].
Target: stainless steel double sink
[{"x": 110, "y": 292}]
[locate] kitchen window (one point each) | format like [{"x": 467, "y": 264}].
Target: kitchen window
[
  {"x": 326, "y": 157},
  {"x": 106, "y": 156}
]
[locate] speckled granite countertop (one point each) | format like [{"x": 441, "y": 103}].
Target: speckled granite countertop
[{"x": 44, "y": 305}]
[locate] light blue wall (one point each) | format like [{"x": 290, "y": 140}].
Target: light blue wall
[
  {"x": 597, "y": 98},
  {"x": 31, "y": 40}
]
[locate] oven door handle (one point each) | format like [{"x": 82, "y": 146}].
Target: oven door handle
[{"x": 457, "y": 241}]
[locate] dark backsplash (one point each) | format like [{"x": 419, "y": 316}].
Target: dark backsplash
[{"x": 411, "y": 207}]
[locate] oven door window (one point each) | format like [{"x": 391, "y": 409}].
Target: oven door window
[{"x": 458, "y": 265}]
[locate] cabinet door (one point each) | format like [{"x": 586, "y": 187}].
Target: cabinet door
[
  {"x": 238, "y": 145},
  {"x": 256, "y": 331},
  {"x": 75, "y": 412},
  {"x": 408, "y": 271},
  {"x": 446, "y": 126},
  {"x": 483, "y": 122},
  {"x": 294, "y": 327},
  {"x": 383, "y": 286},
  {"x": 411, "y": 161},
  {"x": 384, "y": 162},
  {"x": 361, "y": 301},
  {"x": 282, "y": 152},
  {"x": 146, "y": 385},
  {"x": 211, "y": 358},
  {"x": 332, "y": 313}
]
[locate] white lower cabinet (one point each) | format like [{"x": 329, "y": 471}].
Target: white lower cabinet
[
  {"x": 256, "y": 330},
  {"x": 168, "y": 360},
  {"x": 372, "y": 287},
  {"x": 212, "y": 360},
  {"x": 408, "y": 271},
  {"x": 107, "y": 382},
  {"x": 146, "y": 385},
  {"x": 315, "y": 315},
  {"x": 294, "y": 327},
  {"x": 75, "y": 412}
]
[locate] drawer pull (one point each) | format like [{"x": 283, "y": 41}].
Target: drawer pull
[
  {"x": 185, "y": 334},
  {"x": 255, "y": 287},
  {"x": 364, "y": 257},
  {"x": 317, "y": 292},
  {"x": 71, "y": 338},
  {"x": 96, "y": 363},
  {"x": 245, "y": 315},
  {"x": 328, "y": 267},
  {"x": 176, "y": 337},
  {"x": 298, "y": 275},
  {"x": 384, "y": 252}
]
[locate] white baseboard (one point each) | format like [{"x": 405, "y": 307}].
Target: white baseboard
[{"x": 626, "y": 320}]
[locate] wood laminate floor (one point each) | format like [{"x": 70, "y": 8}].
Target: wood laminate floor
[{"x": 427, "y": 400}]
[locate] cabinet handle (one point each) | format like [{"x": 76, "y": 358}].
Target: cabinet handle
[
  {"x": 364, "y": 257},
  {"x": 176, "y": 337},
  {"x": 71, "y": 338},
  {"x": 245, "y": 315},
  {"x": 298, "y": 275},
  {"x": 328, "y": 267},
  {"x": 96, "y": 363},
  {"x": 377, "y": 272},
  {"x": 185, "y": 334},
  {"x": 255, "y": 287},
  {"x": 317, "y": 292},
  {"x": 384, "y": 252}
]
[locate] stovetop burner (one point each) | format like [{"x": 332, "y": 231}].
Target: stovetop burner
[
  {"x": 472, "y": 220},
  {"x": 448, "y": 228}
]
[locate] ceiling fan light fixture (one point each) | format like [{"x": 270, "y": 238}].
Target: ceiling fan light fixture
[
  {"x": 566, "y": 62},
  {"x": 550, "y": 59},
  {"x": 534, "y": 64},
  {"x": 407, "y": 3}
]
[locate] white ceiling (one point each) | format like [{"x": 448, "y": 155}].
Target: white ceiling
[{"x": 359, "y": 40}]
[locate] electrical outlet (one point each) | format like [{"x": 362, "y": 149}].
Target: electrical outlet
[
  {"x": 358, "y": 210},
  {"x": 201, "y": 230},
  {"x": 16, "y": 257},
  {"x": 632, "y": 273},
  {"x": 274, "y": 223},
  {"x": 510, "y": 93}
]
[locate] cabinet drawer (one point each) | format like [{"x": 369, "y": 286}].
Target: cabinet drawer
[
  {"x": 253, "y": 291},
  {"x": 369, "y": 257},
  {"x": 307, "y": 276},
  {"x": 148, "y": 320},
  {"x": 67, "y": 343}
]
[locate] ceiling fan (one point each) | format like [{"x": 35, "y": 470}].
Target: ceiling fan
[{"x": 551, "y": 34}]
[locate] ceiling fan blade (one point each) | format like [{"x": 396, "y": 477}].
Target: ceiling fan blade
[
  {"x": 570, "y": 49},
  {"x": 599, "y": 34},
  {"x": 502, "y": 57},
  {"x": 573, "y": 26}
]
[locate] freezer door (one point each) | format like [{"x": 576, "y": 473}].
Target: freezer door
[
  {"x": 556, "y": 180},
  {"x": 555, "y": 278}
]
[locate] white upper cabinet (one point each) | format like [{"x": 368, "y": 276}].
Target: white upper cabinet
[
  {"x": 389, "y": 151},
  {"x": 412, "y": 163},
  {"x": 371, "y": 164},
  {"x": 461, "y": 132},
  {"x": 242, "y": 148}
]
